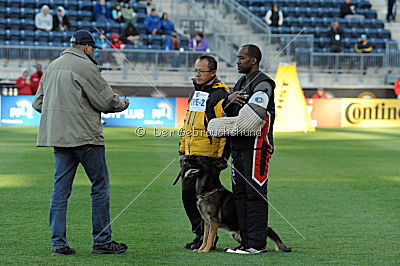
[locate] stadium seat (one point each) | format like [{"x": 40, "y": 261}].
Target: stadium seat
[
  {"x": 26, "y": 43},
  {"x": 84, "y": 15},
  {"x": 85, "y": 25},
  {"x": 371, "y": 32},
  {"x": 356, "y": 32},
  {"x": 28, "y": 35},
  {"x": 3, "y": 23},
  {"x": 291, "y": 21},
  {"x": 139, "y": 8},
  {"x": 28, "y": 13},
  {"x": 100, "y": 25},
  {"x": 66, "y": 36},
  {"x": 316, "y": 22},
  {"x": 28, "y": 3},
  {"x": 244, "y": 3},
  {"x": 72, "y": 15},
  {"x": 28, "y": 25},
  {"x": 321, "y": 31},
  {"x": 113, "y": 27},
  {"x": 71, "y": 5},
  {"x": 56, "y": 36},
  {"x": 309, "y": 30},
  {"x": 14, "y": 13},
  {"x": 13, "y": 23},
  {"x": 304, "y": 21},
  {"x": 85, "y": 5},
  {"x": 141, "y": 28},
  {"x": 41, "y": 36},
  {"x": 15, "y": 35},
  {"x": 258, "y": 3},
  {"x": 3, "y": 3},
  {"x": 384, "y": 34},
  {"x": 140, "y": 17},
  {"x": 14, "y": 4}
]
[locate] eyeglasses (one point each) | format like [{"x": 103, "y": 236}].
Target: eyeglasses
[{"x": 198, "y": 71}]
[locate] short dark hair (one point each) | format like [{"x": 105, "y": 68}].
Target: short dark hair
[
  {"x": 212, "y": 63},
  {"x": 253, "y": 51},
  {"x": 153, "y": 9}
]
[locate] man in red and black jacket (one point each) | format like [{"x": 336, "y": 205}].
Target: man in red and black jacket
[
  {"x": 250, "y": 111},
  {"x": 35, "y": 78}
]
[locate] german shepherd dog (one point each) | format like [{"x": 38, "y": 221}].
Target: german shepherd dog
[{"x": 216, "y": 205}]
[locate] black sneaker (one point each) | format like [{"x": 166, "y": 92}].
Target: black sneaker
[
  {"x": 215, "y": 243},
  {"x": 110, "y": 248},
  {"x": 195, "y": 242},
  {"x": 63, "y": 251},
  {"x": 232, "y": 250}
]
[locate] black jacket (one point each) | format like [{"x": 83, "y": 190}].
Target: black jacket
[{"x": 56, "y": 22}]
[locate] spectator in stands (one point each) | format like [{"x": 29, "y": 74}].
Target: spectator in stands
[
  {"x": 103, "y": 58},
  {"x": 335, "y": 35},
  {"x": 347, "y": 8},
  {"x": 363, "y": 46},
  {"x": 397, "y": 88},
  {"x": 130, "y": 34},
  {"x": 199, "y": 43},
  {"x": 35, "y": 78},
  {"x": 320, "y": 94},
  {"x": 116, "y": 43},
  {"x": 127, "y": 12},
  {"x": 167, "y": 26},
  {"x": 274, "y": 17},
  {"x": 116, "y": 14},
  {"x": 391, "y": 12},
  {"x": 24, "y": 84},
  {"x": 60, "y": 20},
  {"x": 44, "y": 20},
  {"x": 101, "y": 12},
  {"x": 153, "y": 22},
  {"x": 173, "y": 44}
]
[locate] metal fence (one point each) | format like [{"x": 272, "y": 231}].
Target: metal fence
[{"x": 26, "y": 56}]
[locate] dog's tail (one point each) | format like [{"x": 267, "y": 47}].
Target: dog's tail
[{"x": 279, "y": 246}]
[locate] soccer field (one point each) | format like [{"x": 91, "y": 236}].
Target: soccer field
[{"x": 339, "y": 187}]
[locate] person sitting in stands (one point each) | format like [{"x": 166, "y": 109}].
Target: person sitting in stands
[
  {"x": 35, "y": 78},
  {"x": 199, "y": 43},
  {"x": 363, "y": 46},
  {"x": 347, "y": 8},
  {"x": 167, "y": 26},
  {"x": 320, "y": 94},
  {"x": 101, "y": 12},
  {"x": 127, "y": 12},
  {"x": 274, "y": 17},
  {"x": 24, "y": 84},
  {"x": 335, "y": 35},
  {"x": 130, "y": 34},
  {"x": 116, "y": 14},
  {"x": 60, "y": 20},
  {"x": 116, "y": 43},
  {"x": 153, "y": 22},
  {"x": 44, "y": 20}
]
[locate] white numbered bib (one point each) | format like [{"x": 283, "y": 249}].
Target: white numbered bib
[{"x": 199, "y": 101}]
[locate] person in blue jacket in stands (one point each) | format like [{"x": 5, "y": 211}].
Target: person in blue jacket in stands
[
  {"x": 153, "y": 22},
  {"x": 167, "y": 26},
  {"x": 102, "y": 12}
]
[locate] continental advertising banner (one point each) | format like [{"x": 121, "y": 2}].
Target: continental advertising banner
[
  {"x": 18, "y": 111},
  {"x": 370, "y": 113}
]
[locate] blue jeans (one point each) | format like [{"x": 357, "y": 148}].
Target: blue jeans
[{"x": 93, "y": 159}]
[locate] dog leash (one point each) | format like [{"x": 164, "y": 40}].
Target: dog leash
[{"x": 209, "y": 193}]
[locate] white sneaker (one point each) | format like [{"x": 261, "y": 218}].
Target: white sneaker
[{"x": 246, "y": 251}]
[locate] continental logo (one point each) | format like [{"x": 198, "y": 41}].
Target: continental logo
[{"x": 357, "y": 112}]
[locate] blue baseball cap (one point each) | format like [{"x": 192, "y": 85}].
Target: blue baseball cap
[{"x": 83, "y": 37}]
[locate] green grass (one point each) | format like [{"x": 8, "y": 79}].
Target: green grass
[{"x": 339, "y": 187}]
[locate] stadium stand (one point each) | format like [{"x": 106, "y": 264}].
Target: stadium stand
[
  {"x": 316, "y": 16},
  {"x": 17, "y": 25}
]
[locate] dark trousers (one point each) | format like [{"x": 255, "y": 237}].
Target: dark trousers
[
  {"x": 93, "y": 159},
  {"x": 189, "y": 197},
  {"x": 390, "y": 12},
  {"x": 251, "y": 208}
]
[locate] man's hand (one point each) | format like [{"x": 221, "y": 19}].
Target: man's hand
[
  {"x": 126, "y": 102},
  {"x": 237, "y": 97},
  {"x": 181, "y": 161}
]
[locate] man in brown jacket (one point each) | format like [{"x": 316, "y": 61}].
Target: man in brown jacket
[{"x": 71, "y": 96}]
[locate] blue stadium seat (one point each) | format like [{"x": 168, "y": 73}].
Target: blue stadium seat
[
  {"x": 364, "y": 4},
  {"x": 290, "y": 3},
  {"x": 26, "y": 43},
  {"x": 85, "y": 25},
  {"x": 41, "y": 36},
  {"x": 256, "y": 3},
  {"x": 15, "y": 35},
  {"x": 28, "y": 3},
  {"x": 144, "y": 38},
  {"x": 384, "y": 34},
  {"x": 28, "y": 35},
  {"x": 3, "y": 23},
  {"x": 86, "y": 5},
  {"x": 371, "y": 14},
  {"x": 291, "y": 21},
  {"x": 67, "y": 36},
  {"x": 321, "y": 31},
  {"x": 72, "y": 15},
  {"x": 317, "y": 22},
  {"x": 3, "y": 3},
  {"x": 371, "y": 32},
  {"x": 378, "y": 43},
  {"x": 380, "y": 51},
  {"x": 284, "y": 30},
  {"x": 14, "y": 13},
  {"x": 349, "y": 43},
  {"x": 71, "y": 5},
  {"x": 256, "y": 10},
  {"x": 28, "y": 25},
  {"x": 3, "y": 12},
  {"x": 113, "y": 27},
  {"x": 13, "y": 23},
  {"x": 100, "y": 25},
  {"x": 379, "y": 24},
  {"x": 140, "y": 17},
  {"x": 141, "y": 28},
  {"x": 85, "y": 15},
  {"x": 56, "y": 36},
  {"x": 29, "y": 13},
  {"x": 154, "y": 47},
  {"x": 356, "y": 32},
  {"x": 57, "y": 44},
  {"x": 309, "y": 30},
  {"x": 139, "y": 8},
  {"x": 276, "y": 30},
  {"x": 154, "y": 39},
  {"x": 14, "y": 4},
  {"x": 304, "y": 21}
]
